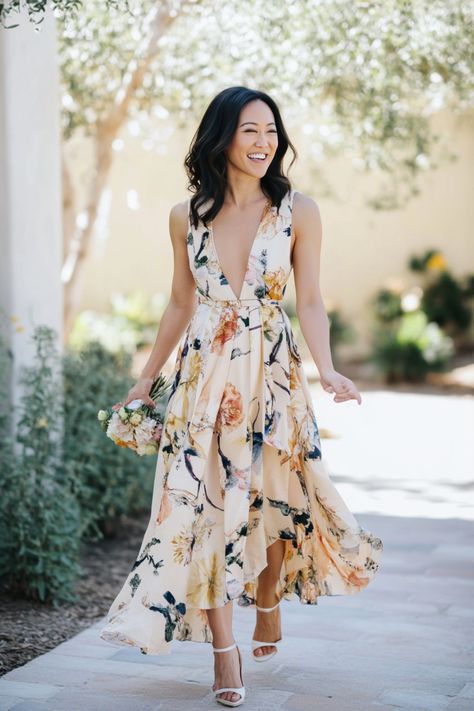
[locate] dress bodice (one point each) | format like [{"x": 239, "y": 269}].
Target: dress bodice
[{"x": 268, "y": 265}]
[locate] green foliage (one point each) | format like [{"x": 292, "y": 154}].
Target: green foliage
[
  {"x": 6, "y": 443},
  {"x": 340, "y": 330},
  {"x": 62, "y": 480},
  {"x": 411, "y": 350},
  {"x": 388, "y": 306},
  {"x": 39, "y": 515},
  {"x": 362, "y": 78},
  {"x": 419, "y": 328},
  {"x": 36, "y": 9},
  {"x": 130, "y": 325},
  {"x": 108, "y": 481},
  {"x": 446, "y": 300}
]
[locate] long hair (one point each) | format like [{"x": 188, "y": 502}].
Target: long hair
[{"x": 206, "y": 162}]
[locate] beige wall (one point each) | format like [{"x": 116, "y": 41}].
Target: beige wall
[{"x": 361, "y": 248}]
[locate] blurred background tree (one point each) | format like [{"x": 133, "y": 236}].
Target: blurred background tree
[{"x": 362, "y": 79}]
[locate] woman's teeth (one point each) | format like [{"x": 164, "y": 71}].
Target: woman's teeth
[{"x": 257, "y": 156}]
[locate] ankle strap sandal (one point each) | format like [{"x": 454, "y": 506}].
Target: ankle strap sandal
[
  {"x": 256, "y": 644},
  {"x": 237, "y": 690}
]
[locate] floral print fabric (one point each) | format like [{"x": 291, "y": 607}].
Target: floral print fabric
[{"x": 240, "y": 463}]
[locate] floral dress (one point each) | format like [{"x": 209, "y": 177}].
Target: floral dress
[{"x": 240, "y": 462}]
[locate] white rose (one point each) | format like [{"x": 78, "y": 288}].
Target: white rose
[
  {"x": 102, "y": 415},
  {"x": 136, "y": 418},
  {"x": 122, "y": 413}
]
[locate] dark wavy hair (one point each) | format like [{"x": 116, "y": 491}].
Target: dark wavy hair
[{"x": 206, "y": 162}]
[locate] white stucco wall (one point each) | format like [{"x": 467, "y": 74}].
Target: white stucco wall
[{"x": 30, "y": 194}]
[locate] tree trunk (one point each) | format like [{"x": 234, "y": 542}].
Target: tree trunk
[{"x": 80, "y": 237}]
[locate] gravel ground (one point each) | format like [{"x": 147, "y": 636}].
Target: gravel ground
[{"x": 28, "y": 629}]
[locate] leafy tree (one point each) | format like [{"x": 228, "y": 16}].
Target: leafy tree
[{"x": 361, "y": 78}]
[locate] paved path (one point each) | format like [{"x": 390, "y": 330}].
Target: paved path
[
  {"x": 406, "y": 642},
  {"x": 404, "y": 463}
]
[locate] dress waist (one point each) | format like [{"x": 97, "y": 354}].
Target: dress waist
[{"x": 236, "y": 303}]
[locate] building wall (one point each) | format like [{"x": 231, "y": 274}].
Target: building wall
[{"x": 361, "y": 250}]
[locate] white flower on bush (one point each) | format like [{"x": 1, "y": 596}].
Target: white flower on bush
[
  {"x": 438, "y": 344},
  {"x": 411, "y": 299}
]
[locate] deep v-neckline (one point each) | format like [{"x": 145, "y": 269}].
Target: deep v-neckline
[{"x": 266, "y": 208}]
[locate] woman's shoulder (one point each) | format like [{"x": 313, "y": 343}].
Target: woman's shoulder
[
  {"x": 305, "y": 212},
  {"x": 178, "y": 218},
  {"x": 303, "y": 203}
]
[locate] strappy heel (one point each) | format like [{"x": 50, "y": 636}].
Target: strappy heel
[
  {"x": 237, "y": 690},
  {"x": 256, "y": 644}
]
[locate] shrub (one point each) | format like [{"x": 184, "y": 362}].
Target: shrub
[
  {"x": 411, "y": 348},
  {"x": 39, "y": 515},
  {"x": 108, "y": 481},
  {"x": 130, "y": 325}
]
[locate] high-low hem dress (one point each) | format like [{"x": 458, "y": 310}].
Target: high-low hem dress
[{"x": 239, "y": 464}]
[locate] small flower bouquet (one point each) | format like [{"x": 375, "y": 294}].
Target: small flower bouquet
[{"x": 136, "y": 425}]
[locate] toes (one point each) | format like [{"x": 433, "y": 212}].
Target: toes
[{"x": 263, "y": 651}]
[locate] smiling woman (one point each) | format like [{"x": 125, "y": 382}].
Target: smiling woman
[{"x": 243, "y": 506}]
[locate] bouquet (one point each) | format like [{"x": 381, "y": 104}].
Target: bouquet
[{"x": 136, "y": 425}]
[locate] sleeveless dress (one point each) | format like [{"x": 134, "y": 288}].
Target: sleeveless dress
[{"x": 239, "y": 464}]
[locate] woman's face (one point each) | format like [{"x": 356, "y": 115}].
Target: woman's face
[{"x": 256, "y": 134}]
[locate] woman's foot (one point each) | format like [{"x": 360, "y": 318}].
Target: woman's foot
[
  {"x": 227, "y": 673},
  {"x": 268, "y": 625}
]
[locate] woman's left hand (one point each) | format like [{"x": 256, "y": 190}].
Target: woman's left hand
[{"x": 334, "y": 382}]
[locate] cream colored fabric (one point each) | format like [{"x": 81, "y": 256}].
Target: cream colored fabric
[{"x": 240, "y": 463}]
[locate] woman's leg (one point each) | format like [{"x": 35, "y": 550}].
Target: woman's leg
[
  {"x": 268, "y": 623},
  {"x": 226, "y": 664}
]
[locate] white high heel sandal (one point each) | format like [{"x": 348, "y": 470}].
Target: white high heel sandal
[
  {"x": 256, "y": 644},
  {"x": 237, "y": 690}
]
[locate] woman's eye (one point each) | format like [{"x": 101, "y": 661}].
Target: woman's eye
[{"x": 252, "y": 130}]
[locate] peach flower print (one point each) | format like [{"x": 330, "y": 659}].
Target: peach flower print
[
  {"x": 165, "y": 508},
  {"x": 225, "y": 330},
  {"x": 230, "y": 412}
]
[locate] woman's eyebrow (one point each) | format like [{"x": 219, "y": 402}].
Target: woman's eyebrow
[{"x": 255, "y": 123}]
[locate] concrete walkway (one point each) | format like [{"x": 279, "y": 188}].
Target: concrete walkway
[
  {"x": 406, "y": 642},
  {"x": 404, "y": 463}
]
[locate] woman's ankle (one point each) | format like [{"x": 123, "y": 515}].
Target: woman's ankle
[
  {"x": 222, "y": 642},
  {"x": 267, "y": 598}
]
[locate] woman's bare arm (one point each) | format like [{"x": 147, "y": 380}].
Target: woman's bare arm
[
  {"x": 183, "y": 300},
  {"x": 310, "y": 307}
]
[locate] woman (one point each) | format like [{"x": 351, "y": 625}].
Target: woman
[{"x": 243, "y": 507}]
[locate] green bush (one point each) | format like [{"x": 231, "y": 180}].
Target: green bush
[
  {"x": 340, "y": 330},
  {"x": 411, "y": 348},
  {"x": 108, "y": 481},
  {"x": 62, "y": 480},
  {"x": 446, "y": 300},
  {"x": 130, "y": 324},
  {"x": 418, "y": 328},
  {"x": 39, "y": 514}
]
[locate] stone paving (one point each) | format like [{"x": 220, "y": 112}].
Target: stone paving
[
  {"x": 406, "y": 642},
  {"x": 404, "y": 464}
]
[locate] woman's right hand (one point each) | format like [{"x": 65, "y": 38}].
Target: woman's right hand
[{"x": 140, "y": 391}]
